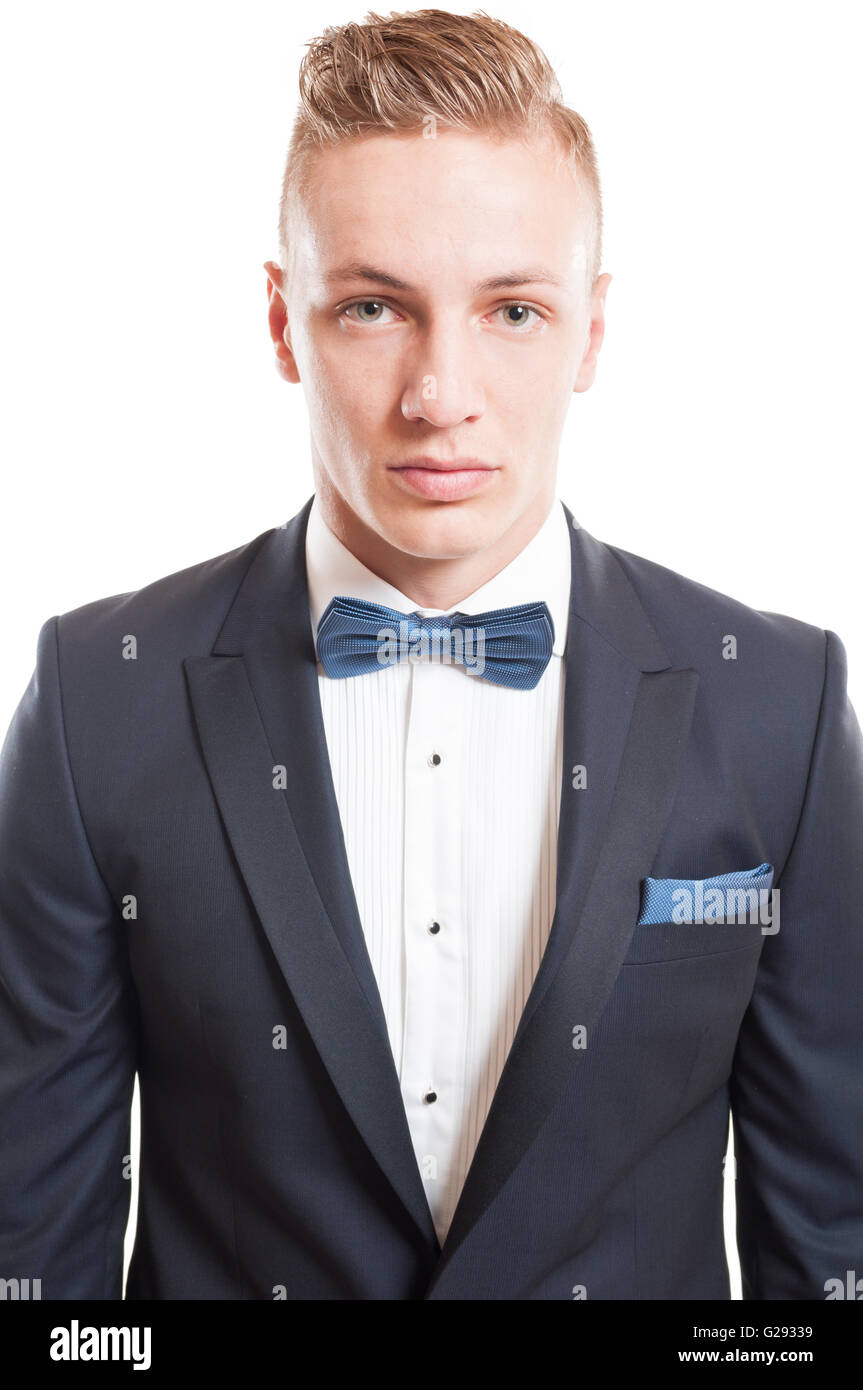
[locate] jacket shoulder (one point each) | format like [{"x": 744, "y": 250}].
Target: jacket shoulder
[
  {"x": 186, "y": 608},
  {"x": 691, "y": 617}
]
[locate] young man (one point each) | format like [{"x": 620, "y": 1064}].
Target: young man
[{"x": 387, "y": 847}]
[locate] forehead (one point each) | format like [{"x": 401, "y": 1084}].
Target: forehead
[{"x": 462, "y": 203}]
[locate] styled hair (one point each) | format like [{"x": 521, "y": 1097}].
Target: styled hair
[{"x": 426, "y": 69}]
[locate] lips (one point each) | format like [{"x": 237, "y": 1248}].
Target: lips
[{"x": 444, "y": 482}]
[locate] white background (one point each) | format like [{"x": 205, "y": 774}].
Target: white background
[{"x": 145, "y": 428}]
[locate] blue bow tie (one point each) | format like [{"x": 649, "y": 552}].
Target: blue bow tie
[{"x": 508, "y": 646}]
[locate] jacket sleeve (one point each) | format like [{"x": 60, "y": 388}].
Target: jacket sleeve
[
  {"x": 67, "y": 1020},
  {"x": 797, "y": 1080}
]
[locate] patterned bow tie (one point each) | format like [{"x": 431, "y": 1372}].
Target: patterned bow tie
[{"x": 507, "y": 646}]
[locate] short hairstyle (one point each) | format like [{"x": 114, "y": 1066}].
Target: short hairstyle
[{"x": 464, "y": 72}]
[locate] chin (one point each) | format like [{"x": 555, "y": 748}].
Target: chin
[{"x": 446, "y": 531}]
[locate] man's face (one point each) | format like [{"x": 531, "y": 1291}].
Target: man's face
[{"x": 444, "y": 366}]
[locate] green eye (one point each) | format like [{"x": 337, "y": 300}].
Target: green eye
[
  {"x": 524, "y": 309},
  {"x": 368, "y": 310}
]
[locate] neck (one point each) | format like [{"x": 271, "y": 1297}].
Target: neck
[{"x": 428, "y": 582}]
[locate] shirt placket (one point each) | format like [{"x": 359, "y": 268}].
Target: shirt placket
[{"x": 432, "y": 1078}]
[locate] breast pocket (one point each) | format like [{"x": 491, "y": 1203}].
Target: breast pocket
[
  {"x": 680, "y": 999},
  {"x": 660, "y": 941}
]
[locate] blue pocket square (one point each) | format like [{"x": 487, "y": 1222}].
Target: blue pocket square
[{"x": 687, "y": 900}]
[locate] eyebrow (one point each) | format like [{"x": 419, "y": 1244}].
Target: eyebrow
[{"x": 532, "y": 275}]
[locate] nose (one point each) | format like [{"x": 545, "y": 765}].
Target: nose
[{"x": 443, "y": 386}]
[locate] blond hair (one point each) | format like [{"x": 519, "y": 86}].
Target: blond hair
[{"x": 465, "y": 72}]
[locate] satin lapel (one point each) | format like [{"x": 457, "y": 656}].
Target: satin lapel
[
  {"x": 626, "y": 724},
  {"x": 257, "y": 710}
]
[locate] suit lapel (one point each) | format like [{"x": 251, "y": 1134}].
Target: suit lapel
[
  {"x": 257, "y": 708},
  {"x": 626, "y": 722}
]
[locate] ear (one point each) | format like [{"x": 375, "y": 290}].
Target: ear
[
  {"x": 587, "y": 369},
  {"x": 277, "y": 315}
]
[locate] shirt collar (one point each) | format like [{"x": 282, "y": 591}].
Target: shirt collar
[{"x": 542, "y": 570}]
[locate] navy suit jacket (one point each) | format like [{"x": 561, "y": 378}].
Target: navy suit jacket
[{"x": 171, "y": 906}]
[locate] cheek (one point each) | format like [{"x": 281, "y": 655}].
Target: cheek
[
  {"x": 349, "y": 411},
  {"x": 544, "y": 365},
  {"x": 534, "y": 397},
  {"x": 350, "y": 390}
]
